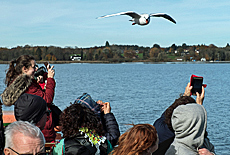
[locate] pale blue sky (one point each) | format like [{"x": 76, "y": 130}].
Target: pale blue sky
[{"x": 73, "y": 23}]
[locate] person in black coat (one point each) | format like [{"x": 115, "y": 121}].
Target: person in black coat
[
  {"x": 164, "y": 127},
  {"x": 87, "y": 131}
]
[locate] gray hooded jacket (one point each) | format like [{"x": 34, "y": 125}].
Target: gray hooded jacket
[{"x": 189, "y": 123}]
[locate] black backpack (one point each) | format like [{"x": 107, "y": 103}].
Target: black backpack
[{"x": 81, "y": 146}]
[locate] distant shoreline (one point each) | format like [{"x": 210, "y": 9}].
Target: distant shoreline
[
  {"x": 61, "y": 62},
  {"x": 108, "y": 62}
]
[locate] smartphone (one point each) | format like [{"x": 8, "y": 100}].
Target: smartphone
[{"x": 196, "y": 82}]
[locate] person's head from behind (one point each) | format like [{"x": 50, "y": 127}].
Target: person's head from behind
[
  {"x": 31, "y": 108},
  {"x": 23, "y": 138},
  {"x": 183, "y": 100},
  {"x": 189, "y": 123},
  {"x": 23, "y": 64},
  {"x": 141, "y": 139},
  {"x": 76, "y": 116}
]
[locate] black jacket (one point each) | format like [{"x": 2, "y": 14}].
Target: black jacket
[
  {"x": 73, "y": 145},
  {"x": 111, "y": 128},
  {"x": 165, "y": 135}
]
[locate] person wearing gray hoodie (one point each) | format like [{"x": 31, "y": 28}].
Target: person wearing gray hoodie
[{"x": 189, "y": 123}]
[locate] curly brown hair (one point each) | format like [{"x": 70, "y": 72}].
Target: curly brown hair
[
  {"x": 183, "y": 100},
  {"x": 136, "y": 140},
  {"x": 76, "y": 116}
]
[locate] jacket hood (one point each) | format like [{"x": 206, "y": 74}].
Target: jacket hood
[
  {"x": 189, "y": 123},
  {"x": 30, "y": 108},
  {"x": 15, "y": 89}
]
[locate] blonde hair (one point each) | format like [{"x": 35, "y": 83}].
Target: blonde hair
[{"x": 136, "y": 140}]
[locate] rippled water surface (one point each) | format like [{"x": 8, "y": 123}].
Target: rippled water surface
[{"x": 140, "y": 92}]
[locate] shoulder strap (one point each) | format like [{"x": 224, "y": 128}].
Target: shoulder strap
[
  {"x": 85, "y": 143},
  {"x": 109, "y": 147}
]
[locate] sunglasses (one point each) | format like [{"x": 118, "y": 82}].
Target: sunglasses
[{"x": 39, "y": 153}]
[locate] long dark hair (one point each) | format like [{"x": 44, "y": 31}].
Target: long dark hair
[
  {"x": 180, "y": 101},
  {"x": 76, "y": 116},
  {"x": 16, "y": 66}
]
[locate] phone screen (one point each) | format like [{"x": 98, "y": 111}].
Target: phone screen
[{"x": 197, "y": 84}]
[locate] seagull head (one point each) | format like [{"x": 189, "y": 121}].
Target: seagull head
[
  {"x": 146, "y": 17},
  {"x": 148, "y": 20}
]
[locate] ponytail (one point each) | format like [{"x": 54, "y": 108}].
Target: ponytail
[
  {"x": 16, "y": 66},
  {"x": 10, "y": 73}
]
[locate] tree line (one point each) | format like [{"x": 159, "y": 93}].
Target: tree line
[{"x": 121, "y": 53}]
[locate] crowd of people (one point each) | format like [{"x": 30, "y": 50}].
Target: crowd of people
[{"x": 89, "y": 127}]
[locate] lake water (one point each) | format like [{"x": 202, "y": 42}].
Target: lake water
[{"x": 139, "y": 92}]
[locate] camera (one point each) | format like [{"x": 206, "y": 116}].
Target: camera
[
  {"x": 39, "y": 72},
  {"x": 196, "y": 82}
]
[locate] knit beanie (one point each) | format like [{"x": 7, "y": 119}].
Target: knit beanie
[
  {"x": 87, "y": 101},
  {"x": 30, "y": 108}
]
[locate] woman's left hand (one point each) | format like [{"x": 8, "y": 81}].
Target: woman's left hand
[
  {"x": 51, "y": 71},
  {"x": 105, "y": 107},
  {"x": 188, "y": 90}
]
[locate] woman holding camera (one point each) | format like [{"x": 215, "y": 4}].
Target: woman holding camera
[{"x": 20, "y": 79}]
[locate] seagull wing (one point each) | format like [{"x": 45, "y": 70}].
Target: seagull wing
[
  {"x": 163, "y": 15},
  {"x": 130, "y": 13}
]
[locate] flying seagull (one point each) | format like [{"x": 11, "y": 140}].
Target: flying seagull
[{"x": 142, "y": 19}]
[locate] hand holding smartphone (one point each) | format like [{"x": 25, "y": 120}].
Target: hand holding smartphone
[{"x": 196, "y": 82}]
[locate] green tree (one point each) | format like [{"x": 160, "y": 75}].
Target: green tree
[
  {"x": 107, "y": 53},
  {"x": 184, "y": 46},
  {"x": 179, "y": 51},
  {"x": 107, "y": 44},
  {"x": 156, "y": 45},
  {"x": 38, "y": 53},
  {"x": 81, "y": 54},
  {"x": 96, "y": 57},
  {"x": 174, "y": 47}
]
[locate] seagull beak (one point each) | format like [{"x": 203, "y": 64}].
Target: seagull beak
[{"x": 147, "y": 21}]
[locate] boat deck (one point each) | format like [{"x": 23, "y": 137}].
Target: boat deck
[{"x": 8, "y": 117}]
